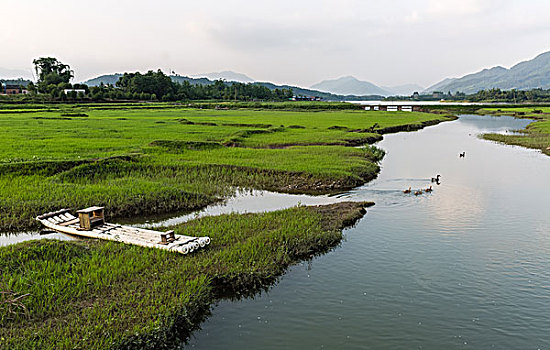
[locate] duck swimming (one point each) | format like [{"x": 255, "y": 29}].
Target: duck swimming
[
  {"x": 436, "y": 179},
  {"x": 407, "y": 191}
]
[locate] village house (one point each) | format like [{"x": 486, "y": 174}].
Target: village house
[
  {"x": 76, "y": 91},
  {"x": 7, "y": 89}
]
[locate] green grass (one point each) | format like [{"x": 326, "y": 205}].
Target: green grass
[
  {"x": 100, "y": 295},
  {"x": 159, "y": 158},
  {"x": 535, "y": 135},
  {"x": 136, "y": 160}
]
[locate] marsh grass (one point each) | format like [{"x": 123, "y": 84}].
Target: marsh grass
[
  {"x": 535, "y": 135},
  {"x": 98, "y": 295},
  {"x": 160, "y": 158}
]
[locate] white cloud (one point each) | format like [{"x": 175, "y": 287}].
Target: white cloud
[{"x": 301, "y": 42}]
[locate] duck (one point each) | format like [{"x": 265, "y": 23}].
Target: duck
[
  {"x": 436, "y": 179},
  {"x": 417, "y": 192},
  {"x": 407, "y": 191},
  {"x": 429, "y": 189},
  {"x": 462, "y": 155}
]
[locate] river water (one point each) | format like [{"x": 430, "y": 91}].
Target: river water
[{"x": 466, "y": 266}]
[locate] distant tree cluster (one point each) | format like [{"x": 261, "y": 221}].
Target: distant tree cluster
[
  {"x": 53, "y": 79},
  {"x": 515, "y": 96},
  {"x": 491, "y": 95},
  {"x": 159, "y": 86},
  {"x": 54, "y": 85}
]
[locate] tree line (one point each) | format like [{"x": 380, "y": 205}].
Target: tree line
[
  {"x": 490, "y": 95},
  {"x": 54, "y": 78},
  {"x": 54, "y": 83}
]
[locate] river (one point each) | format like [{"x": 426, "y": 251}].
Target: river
[{"x": 466, "y": 266}]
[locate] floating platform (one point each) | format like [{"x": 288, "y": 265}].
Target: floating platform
[{"x": 91, "y": 223}]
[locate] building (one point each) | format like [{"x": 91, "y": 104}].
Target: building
[
  {"x": 8, "y": 89},
  {"x": 392, "y": 107},
  {"x": 76, "y": 91},
  {"x": 305, "y": 98}
]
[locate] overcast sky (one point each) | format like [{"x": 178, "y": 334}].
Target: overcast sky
[{"x": 298, "y": 42}]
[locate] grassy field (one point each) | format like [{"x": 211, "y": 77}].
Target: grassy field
[
  {"x": 160, "y": 158},
  {"x": 105, "y": 295},
  {"x": 536, "y": 135}
]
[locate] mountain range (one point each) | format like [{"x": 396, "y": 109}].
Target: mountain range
[
  {"x": 334, "y": 89},
  {"x": 526, "y": 75},
  {"x": 113, "y": 78},
  {"x": 206, "y": 78},
  {"x": 403, "y": 90},
  {"x": 352, "y": 86},
  {"x": 225, "y": 75},
  {"x": 106, "y": 79},
  {"x": 349, "y": 86}
]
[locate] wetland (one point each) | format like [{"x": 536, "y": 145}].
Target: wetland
[{"x": 460, "y": 266}]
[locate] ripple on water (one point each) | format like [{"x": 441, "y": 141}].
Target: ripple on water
[{"x": 466, "y": 265}]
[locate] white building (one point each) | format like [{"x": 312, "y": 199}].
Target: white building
[{"x": 77, "y": 91}]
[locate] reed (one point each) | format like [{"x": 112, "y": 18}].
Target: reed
[
  {"x": 99, "y": 295},
  {"x": 535, "y": 135},
  {"x": 159, "y": 158}
]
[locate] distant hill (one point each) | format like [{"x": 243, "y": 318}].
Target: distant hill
[
  {"x": 526, "y": 75},
  {"x": 105, "y": 79},
  {"x": 19, "y": 82},
  {"x": 324, "y": 95},
  {"x": 113, "y": 78},
  {"x": 350, "y": 86},
  {"x": 440, "y": 85},
  {"x": 193, "y": 81},
  {"x": 226, "y": 75},
  {"x": 404, "y": 90}
]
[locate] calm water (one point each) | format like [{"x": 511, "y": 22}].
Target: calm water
[{"x": 467, "y": 266}]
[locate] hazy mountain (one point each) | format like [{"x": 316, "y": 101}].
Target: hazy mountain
[
  {"x": 226, "y": 75},
  {"x": 324, "y": 95},
  {"x": 105, "y": 79},
  {"x": 18, "y": 81},
  {"x": 403, "y": 90},
  {"x": 526, "y": 75},
  {"x": 350, "y": 86},
  {"x": 193, "y": 81},
  {"x": 441, "y": 84},
  {"x": 112, "y": 79}
]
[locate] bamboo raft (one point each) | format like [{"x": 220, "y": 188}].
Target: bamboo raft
[{"x": 91, "y": 223}]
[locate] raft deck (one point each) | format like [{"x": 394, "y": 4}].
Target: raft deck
[{"x": 91, "y": 224}]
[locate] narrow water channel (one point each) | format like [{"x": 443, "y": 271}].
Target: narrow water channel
[{"x": 466, "y": 266}]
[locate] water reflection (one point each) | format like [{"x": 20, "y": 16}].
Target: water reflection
[
  {"x": 463, "y": 266},
  {"x": 253, "y": 202}
]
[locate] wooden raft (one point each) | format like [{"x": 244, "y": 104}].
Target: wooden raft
[{"x": 91, "y": 223}]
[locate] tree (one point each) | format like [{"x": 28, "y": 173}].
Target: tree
[
  {"x": 156, "y": 83},
  {"x": 50, "y": 71}
]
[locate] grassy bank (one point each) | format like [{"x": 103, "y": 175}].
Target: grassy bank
[
  {"x": 105, "y": 295},
  {"x": 535, "y": 135},
  {"x": 136, "y": 160}
]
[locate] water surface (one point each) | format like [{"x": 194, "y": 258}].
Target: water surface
[{"x": 467, "y": 266}]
